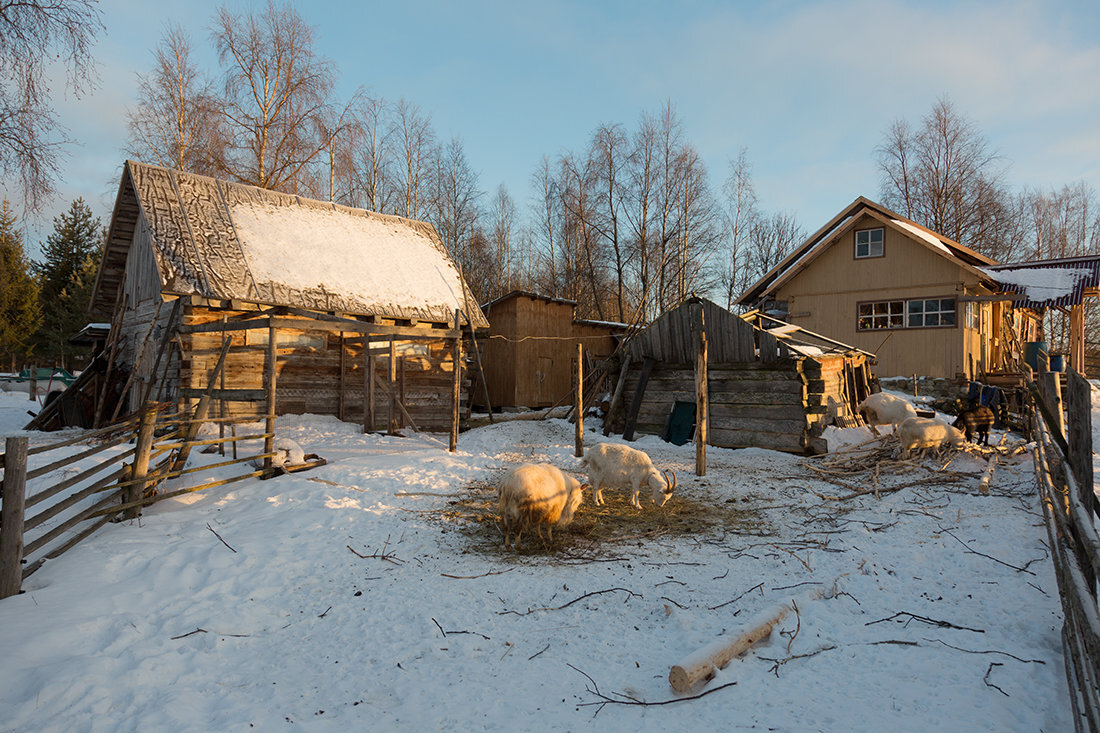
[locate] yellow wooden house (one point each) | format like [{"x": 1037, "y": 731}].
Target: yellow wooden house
[{"x": 922, "y": 303}]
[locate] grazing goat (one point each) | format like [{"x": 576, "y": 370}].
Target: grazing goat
[
  {"x": 976, "y": 420},
  {"x": 614, "y": 465},
  {"x": 927, "y": 432},
  {"x": 884, "y": 409},
  {"x": 532, "y": 495}
]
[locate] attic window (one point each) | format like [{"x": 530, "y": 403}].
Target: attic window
[{"x": 869, "y": 243}]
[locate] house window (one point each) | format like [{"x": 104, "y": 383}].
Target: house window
[
  {"x": 885, "y": 314},
  {"x": 928, "y": 313},
  {"x": 923, "y": 313},
  {"x": 869, "y": 243}
]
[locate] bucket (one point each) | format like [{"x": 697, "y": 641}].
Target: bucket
[
  {"x": 1057, "y": 363},
  {"x": 1031, "y": 353}
]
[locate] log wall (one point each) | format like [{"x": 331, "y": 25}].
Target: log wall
[
  {"x": 321, "y": 372},
  {"x": 782, "y": 406}
]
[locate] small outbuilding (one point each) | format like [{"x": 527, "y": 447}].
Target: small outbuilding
[
  {"x": 769, "y": 384},
  {"x": 359, "y": 308},
  {"x": 528, "y": 359}
]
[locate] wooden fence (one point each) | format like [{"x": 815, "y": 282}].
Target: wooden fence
[
  {"x": 74, "y": 507},
  {"x": 1063, "y": 467}
]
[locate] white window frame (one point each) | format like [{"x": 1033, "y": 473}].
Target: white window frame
[
  {"x": 873, "y": 247},
  {"x": 913, "y": 313}
]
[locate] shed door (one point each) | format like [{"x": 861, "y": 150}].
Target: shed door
[{"x": 543, "y": 383}]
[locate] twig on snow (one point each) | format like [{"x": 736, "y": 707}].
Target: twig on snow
[
  {"x": 924, "y": 619},
  {"x": 777, "y": 663},
  {"x": 627, "y": 700},
  {"x": 759, "y": 586},
  {"x": 538, "y": 653},
  {"x": 989, "y": 651},
  {"x": 990, "y": 684},
  {"x": 988, "y": 557},
  {"x": 586, "y": 595},
  {"x": 218, "y": 536},
  {"x": 471, "y": 577}
]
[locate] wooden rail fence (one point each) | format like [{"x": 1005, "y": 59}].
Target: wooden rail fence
[
  {"x": 72, "y": 508},
  {"x": 1063, "y": 469}
]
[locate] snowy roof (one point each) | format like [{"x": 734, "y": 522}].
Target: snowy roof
[
  {"x": 1046, "y": 283},
  {"x": 227, "y": 241},
  {"x": 824, "y": 237}
]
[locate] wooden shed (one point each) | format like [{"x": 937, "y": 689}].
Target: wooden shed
[
  {"x": 528, "y": 360},
  {"x": 349, "y": 296},
  {"x": 769, "y": 384}
]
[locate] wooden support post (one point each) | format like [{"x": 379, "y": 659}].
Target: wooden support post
[
  {"x": 616, "y": 397},
  {"x": 1052, "y": 390},
  {"x": 578, "y": 402},
  {"x": 11, "y": 515},
  {"x": 270, "y": 377},
  {"x": 456, "y": 385},
  {"x": 368, "y": 387},
  {"x": 701, "y": 406},
  {"x": 1077, "y": 338},
  {"x": 221, "y": 403},
  {"x": 136, "y": 490},
  {"x": 915, "y": 386},
  {"x": 32, "y": 386},
  {"x": 340, "y": 388},
  {"x": 392, "y": 371}
]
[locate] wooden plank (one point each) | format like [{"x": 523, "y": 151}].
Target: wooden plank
[
  {"x": 229, "y": 395},
  {"x": 303, "y": 324},
  {"x": 639, "y": 393},
  {"x": 787, "y": 442}
]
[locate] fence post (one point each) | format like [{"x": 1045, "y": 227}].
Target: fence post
[
  {"x": 456, "y": 384},
  {"x": 701, "y": 406},
  {"x": 141, "y": 462},
  {"x": 578, "y": 399},
  {"x": 11, "y": 516}
]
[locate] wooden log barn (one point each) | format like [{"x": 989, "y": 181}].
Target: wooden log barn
[
  {"x": 344, "y": 298},
  {"x": 768, "y": 384},
  {"x": 532, "y": 347}
]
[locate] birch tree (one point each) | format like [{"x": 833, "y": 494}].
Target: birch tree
[
  {"x": 276, "y": 89},
  {"x": 177, "y": 121}
]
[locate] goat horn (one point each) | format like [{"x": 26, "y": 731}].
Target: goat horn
[{"x": 671, "y": 484}]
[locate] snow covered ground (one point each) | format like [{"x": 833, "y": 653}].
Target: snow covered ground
[{"x": 363, "y": 595}]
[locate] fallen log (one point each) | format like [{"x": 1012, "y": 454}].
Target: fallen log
[{"x": 703, "y": 663}]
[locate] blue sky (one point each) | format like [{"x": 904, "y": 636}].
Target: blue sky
[{"x": 808, "y": 88}]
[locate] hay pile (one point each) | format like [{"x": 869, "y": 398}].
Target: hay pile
[{"x": 597, "y": 530}]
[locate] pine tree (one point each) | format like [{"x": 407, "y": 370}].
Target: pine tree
[
  {"x": 66, "y": 277},
  {"x": 19, "y": 310}
]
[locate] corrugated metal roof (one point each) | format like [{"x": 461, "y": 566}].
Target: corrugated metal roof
[{"x": 1047, "y": 283}]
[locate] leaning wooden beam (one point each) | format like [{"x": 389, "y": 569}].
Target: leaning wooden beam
[
  {"x": 136, "y": 365},
  {"x": 83, "y": 534},
  {"x": 116, "y": 332},
  {"x": 180, "y": 492},
  {"x": 76, "y": 479},
  {"x": 617, "y": 394},
  {"x": 160, "y": 352},
  {"x": 69, "y": 460},
  {"x": 92, "y": 511},
  {"x": 201, "y": 408}
]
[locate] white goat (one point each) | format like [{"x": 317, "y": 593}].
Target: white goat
[
  {"x": 927, "y": 432},
  {"x": 614, "y": 466},
  {"x": 885, "y": 409},
  {"x": 532, "y": 495}
]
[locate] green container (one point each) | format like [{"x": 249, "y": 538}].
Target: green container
[{"x": 1031, "y": 353}]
